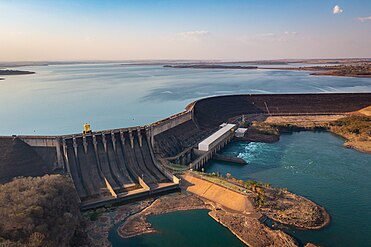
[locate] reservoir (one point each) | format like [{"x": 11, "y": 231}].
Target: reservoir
[
  {"x": 317, "y": 166},
  {"x": 59, "y": 99},
  {"x": 184, "y": 228}
]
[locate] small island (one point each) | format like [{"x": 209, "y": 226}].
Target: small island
[{"x": 14, "y": 72}]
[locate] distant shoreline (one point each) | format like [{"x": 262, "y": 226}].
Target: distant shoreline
[
  {"x": 357, "y": 71},
  {"x": 209, "y": 66}
]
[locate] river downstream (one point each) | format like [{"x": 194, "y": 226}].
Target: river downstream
[{"x": 317, "y": 166}]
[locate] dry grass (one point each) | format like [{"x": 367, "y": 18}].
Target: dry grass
[{"x": 366, "y": 111}]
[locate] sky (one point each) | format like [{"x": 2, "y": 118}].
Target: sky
[{"x": 40, "y": 30}]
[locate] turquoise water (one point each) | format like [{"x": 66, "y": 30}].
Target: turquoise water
[
  {"x": 317, "y": 166},
  {"x": 58, "y": 99},
  {"x": 185, "y": 228}
]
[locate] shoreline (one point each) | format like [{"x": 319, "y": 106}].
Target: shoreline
[
  {"x": 209, "y": 66},
  {"x": 131, "y": 220},
  {"x": 344, "y": 70},
  {"x": 257, "y": 235},
  {"x": 137, "y": 224},
  {"x": 337, "y": 70},
  {"x": 226, "y": 226},
  {"x": 349, "y": 143}
]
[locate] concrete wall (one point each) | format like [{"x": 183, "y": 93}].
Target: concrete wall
[
  {"x": 47, "y": 147},
  {"x": 170, "y": 122},
  {"x": 211, "y": 112},
  {"x": 40, "y": 141}
]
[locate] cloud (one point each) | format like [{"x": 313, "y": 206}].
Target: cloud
[
  {"x": 277, "y": 37},
  {"x": 363, "y": 19},
  {"x": 194, "y": 35},
  {"x": 337, "y": 10},
  {"x": 290, "y": 33}
]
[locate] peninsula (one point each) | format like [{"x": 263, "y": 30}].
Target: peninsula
[{"x": 361, "y": 70}]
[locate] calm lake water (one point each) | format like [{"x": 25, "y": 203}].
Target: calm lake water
[
  {"x": 59, "y": 99},
  {"x": 317, "y": 166},
  {"x": 181, "y": 229}
]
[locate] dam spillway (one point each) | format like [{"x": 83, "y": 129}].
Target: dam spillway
[{"x": 112, "y": 163}]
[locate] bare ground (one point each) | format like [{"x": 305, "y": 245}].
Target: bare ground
[{"x": 290, "y": 209}]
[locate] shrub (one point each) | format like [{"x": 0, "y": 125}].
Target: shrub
[{"x": 39, "y": 211}]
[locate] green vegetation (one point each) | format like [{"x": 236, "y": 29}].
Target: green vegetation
[
  {"x": 357, "y": 131},
  {"x": 94, "y": 214},
  {"x": 40, "y": 211},
  {"x": 359, "y": 125},
  {"x": 264, "y": 128}
]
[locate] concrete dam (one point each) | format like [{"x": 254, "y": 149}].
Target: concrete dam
[
  {"x": 117, "y": 160},
  {"x": 129, "y": 163},
  {"x": 176, "y": 144}
]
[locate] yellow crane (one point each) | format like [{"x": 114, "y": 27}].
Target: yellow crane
[{"x": 87, "y": 129}]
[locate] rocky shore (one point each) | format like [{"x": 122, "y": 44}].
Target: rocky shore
[
  {"x": 251, "y": 231},
  {"x": 290, "y": 209},
  {"x": 100, "y": 221},
  {"x": 248, "y": 228},
  {"x": 137, "y": 224}
]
